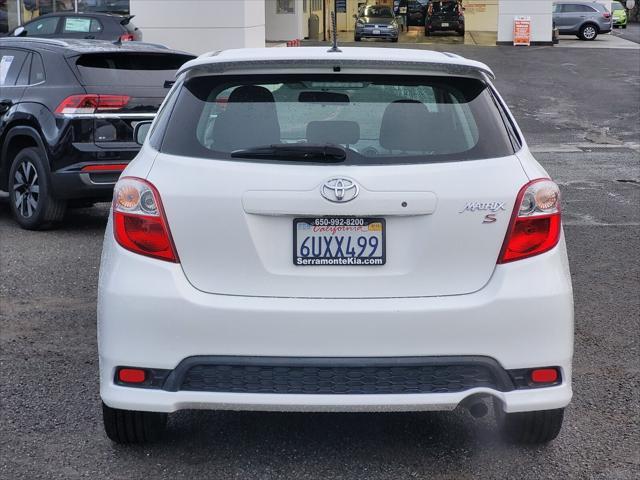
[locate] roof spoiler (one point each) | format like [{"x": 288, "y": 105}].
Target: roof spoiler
[
  {"x": 126, "y": 19},
  {"x": 201, "y": 66}
]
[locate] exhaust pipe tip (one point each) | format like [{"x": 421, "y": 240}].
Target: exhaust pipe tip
[{"x": 478, "y": 409}]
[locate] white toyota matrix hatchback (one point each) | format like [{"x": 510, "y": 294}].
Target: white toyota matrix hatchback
[{"x": 355, "y": 230}]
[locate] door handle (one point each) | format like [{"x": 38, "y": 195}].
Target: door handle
[
  {"x": 5, "y": 105},
  {"x": 90, "y": 37}
]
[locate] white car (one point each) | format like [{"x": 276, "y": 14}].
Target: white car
[{"x": 312, "y": 230}]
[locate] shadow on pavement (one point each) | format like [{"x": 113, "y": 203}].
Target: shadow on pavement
[{"x": 92, "y": 218}]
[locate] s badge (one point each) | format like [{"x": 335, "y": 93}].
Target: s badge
[{"x": 490, "y": 218}]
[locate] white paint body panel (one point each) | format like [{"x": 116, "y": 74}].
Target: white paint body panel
[
  {"x": 238, "y": 293},
  {"x": 225, "y": 249}
]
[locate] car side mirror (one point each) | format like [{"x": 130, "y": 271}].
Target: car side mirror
[
  {"x": 19, "y": 32},
  {"x": 141, "y": 131}
]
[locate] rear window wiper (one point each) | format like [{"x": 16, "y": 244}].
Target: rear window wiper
[{"x": 294, "y": 152}]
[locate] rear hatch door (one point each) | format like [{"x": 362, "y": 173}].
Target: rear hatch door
[{"x": 142, "y": 78}]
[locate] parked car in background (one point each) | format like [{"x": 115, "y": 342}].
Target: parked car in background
[
  {"x": 446, "y": 15},
  {"x": 375, "y": 21},
  {"x": 306, "y": 248},
  {"x": 93, "y": 26},
  {"x": 584, "y": 19},
  {"x": 416, "y": 12},
  {"x": 619, "y": 13},
  {"x": 68, "y": 109}
]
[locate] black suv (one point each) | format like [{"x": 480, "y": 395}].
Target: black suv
[
  {"x": 446, "y": 15},
  {"x": 68, "y": 109},
  {"x": 94, "y": 26}
]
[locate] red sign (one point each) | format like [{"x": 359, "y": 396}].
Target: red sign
[{"x": 522, "y": 31}]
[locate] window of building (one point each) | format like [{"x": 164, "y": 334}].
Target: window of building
[
  {"x": 286, "y": 6},
  {"x": 106, "y": 6}
]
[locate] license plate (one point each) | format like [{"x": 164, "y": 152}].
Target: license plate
[
  {"x": 342, "y": 241},
  {"x": 376, "y": 32},
  {"x": 444, "y": 24}
]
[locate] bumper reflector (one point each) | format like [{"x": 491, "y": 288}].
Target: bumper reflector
[
  {"x": 110, "y": 167},
  {"x": 132, "y": 375},
  {"x": 544, "y": 375}
]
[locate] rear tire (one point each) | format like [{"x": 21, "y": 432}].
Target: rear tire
[
  {"x": 128, "y": 426},
  {"x": 394, "y": 40},
  {"x": 357, "y": 39},
  {"x": 30, "y": 196},
  {"x": 536, "y": 427},
  {"x": 588, "y": 32}
]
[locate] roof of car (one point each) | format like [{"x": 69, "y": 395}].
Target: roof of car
[
  {"x": 361, "y": 57},
  {"x": 81, "y": 14},
  {"x": 72, "y": 46}
]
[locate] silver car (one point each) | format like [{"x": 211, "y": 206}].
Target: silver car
[{"x": 584, "y": 19}]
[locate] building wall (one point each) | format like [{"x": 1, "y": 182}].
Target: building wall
[
  {"x": 198, "y": 26},
  {"x": 481, "y": 15},
  {"x": 540, "y": 12},
  {"x": 285, "y": 26}
]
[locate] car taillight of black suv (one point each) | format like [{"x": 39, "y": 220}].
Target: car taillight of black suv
[{"x": 68, "y": 110}]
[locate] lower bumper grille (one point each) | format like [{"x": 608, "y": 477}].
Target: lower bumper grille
[{"x": 339, "y": 376}]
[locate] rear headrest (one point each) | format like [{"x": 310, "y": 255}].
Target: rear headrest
[
  {"x": 405, "y": 126},
  {"x": 251, "y": 94},
  {"x": 243, "y": 126},
  {"x": 333, "y": 131}
]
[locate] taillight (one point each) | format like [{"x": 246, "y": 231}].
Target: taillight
[
  {"x": 127, "y": 37},
  {"x": 535, "y": 224},
  {"x": 92, "y": 103},
  {"x": 606, "y": 15},
  {"x": 139, "y": 222}
]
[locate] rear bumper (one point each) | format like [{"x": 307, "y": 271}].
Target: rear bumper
[
  {"x": 382, "y": 34},
  {"x": 75, "y": 186},
  {"x": 453, "y": 25},
  {"x": 73, "y": 183},
  {"x": 523, "y": 318}
]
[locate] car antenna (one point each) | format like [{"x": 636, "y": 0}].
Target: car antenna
[
  {"x": 334, "y": 48},
  {"x": 118, "y": 42}
]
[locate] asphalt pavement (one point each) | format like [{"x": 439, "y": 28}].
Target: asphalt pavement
[
  {"x": 579, "y": 111},
  {"x": 632, "y": 32}
]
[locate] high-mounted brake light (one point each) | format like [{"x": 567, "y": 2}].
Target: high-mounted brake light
[
  {"x": 535, "y": 223},
  {"x": 92, "y": 103},
  {"x": 139, "y": 222}
]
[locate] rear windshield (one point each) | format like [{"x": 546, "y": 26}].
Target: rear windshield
[
  {"x": 378, "y": 12},
  {"x": 444, "y": 7},
  {"x": 133, "y": 69},
  {"x": 377, "y": 119}
]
